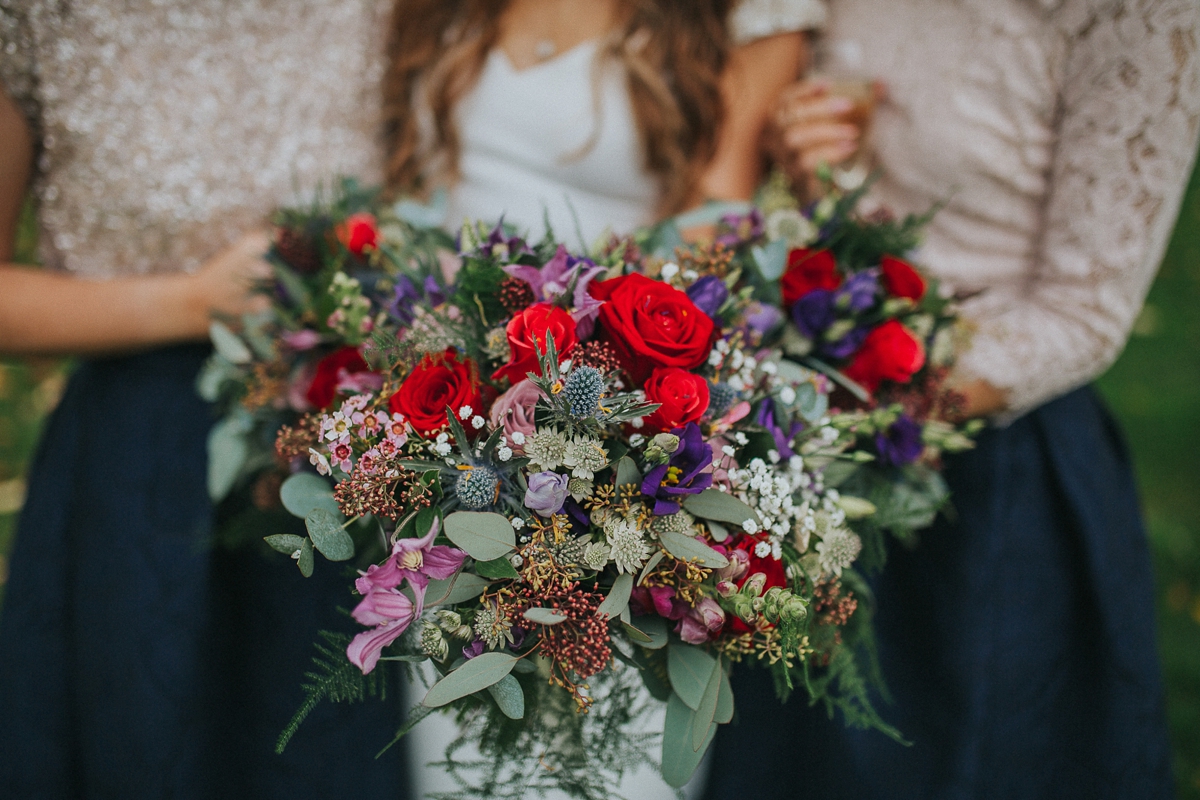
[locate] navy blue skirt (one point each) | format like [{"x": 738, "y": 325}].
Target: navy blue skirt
[
  {"x": 137, "y": 660},
  {"x": 1018, "y": 643}
]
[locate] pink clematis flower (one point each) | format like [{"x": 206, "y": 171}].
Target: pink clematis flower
[{"x": 384, "y": 606}]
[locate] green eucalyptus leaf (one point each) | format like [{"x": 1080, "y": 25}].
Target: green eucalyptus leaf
[
  {"x": 285, "y": 543},
  {"x": 229, "y": 344},
  {"x": 458, "y": 588},
  {"x": 719, "y": 532},
  {"x": 636, "y": 635},
  {"x": 545, "y": 616},
  {"x": 328, "y": 536},
  {"x": 688, "y": 548},
  {"x": 473, "y": 676},
  {"x": 304, "y": 491},
  {"x": 627, "y": 472},
  {"x": 496, "y": 569},
  {"x": 650, "y": 565},
  {"x": 483, "y": 535},
  {"x": 508, "y": 695},
  {"x": 679, "y": 758},
  {"x": 618, "y": 597},
  {"x": 772, "y": 259},
  {"x": 305, "y": 562},
  {"x": 654, "y": 629},
  {"x": 724, "y": 712},
  {"x": 690, "y": 669},
  {"x": 718, "y": 505},
  {"x": 708, "y": 707},
  {"x": 228, "y": 450}
]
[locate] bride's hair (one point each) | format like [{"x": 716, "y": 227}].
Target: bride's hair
[{"x": 674, "y": 52}]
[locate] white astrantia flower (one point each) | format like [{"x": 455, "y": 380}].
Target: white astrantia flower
[
  {"x": 580, "y": 488},
  {"x": 595, "y": 556},
  {"x": 585, "y": 457},
  {"x": 838, "y": 550},
  {"x": 546, "y": 449},
  {"x": 629, "y": 548},
  {"x": 791, "y": 226}
]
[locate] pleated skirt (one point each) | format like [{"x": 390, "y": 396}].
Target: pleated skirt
[
  {"x": 1017, "y": 641},
  {"x": 137, "y": 660}
]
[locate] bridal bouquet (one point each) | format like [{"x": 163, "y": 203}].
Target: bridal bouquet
[{"x": 565, "y": 477}]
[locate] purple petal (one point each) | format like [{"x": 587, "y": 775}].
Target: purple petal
[
  {"x": 364, "y": 651},
  {"x": 441, "y": 561}
]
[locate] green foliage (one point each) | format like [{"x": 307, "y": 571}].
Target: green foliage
[{"x": 335, "y": 679}]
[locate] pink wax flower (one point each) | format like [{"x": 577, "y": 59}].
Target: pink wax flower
[
  {"x": 384, "y": 606},
  {"x": 301, "y": 340}
]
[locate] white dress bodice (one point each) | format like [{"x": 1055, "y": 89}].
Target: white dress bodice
[
  {"x": 1060, "y": 134},
  {"x": 558, "y": 141},
  {"x": 554, "y": 141}
]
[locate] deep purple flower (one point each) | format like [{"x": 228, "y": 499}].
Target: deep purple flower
[
  {"x": 846, "y": 346},
  {"x": 688, "y": 472},
  {"x": 767, "y": 418},
  {"x": 433, "y": 291},
  {"x": 858, "y": 292},
  {"x": 546, "y": 493},
  {"x": 901, "y": 443},
  {"x": 475, "y": 648},
  {"x": 709, "y": 294},
  {"x": 741, "y": 228},
  {"x": 404, "y": 299},
  {"x": 814, "y": 312},
  {"x": 762, "y": 318}
]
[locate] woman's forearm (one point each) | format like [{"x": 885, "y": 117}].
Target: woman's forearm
[{"x": 46, "y": 313}]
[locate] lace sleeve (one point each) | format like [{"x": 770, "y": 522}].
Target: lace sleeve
[
  {"x": 1129, "y": 109},
  {"x": 756, "y": 19},
  {"x": 17, "y": 76}
]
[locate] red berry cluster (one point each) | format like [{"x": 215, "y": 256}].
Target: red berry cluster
[{"x": 581, "y": 643}]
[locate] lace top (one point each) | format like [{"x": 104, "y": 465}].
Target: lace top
[
  {"x": 1062, "y": 133},
  {"x": 167, "y": 128}
]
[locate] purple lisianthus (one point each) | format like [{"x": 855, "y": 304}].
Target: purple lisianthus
[
  {"x": 901, "y": 443},
  {"x": 475, "y": 648},
  {"x": 546, "y": 493},
  {"x": 688, "y": 472},
  {"x": 858, "y": 292},
  {"x": 767, "y": 418},
  {"x": 741, "y": 228},
  {"x": 846, "y": 346},
  {"x": 404, "y": 298},
  {"x": 709, "y": 294},
  {"x": 814, "y": 312},
  {"x": 434, "y": 294},
  {"x": 762, "y": 318}
]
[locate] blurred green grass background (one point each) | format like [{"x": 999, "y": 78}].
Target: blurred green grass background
[{"x": 1154, "y": 389}]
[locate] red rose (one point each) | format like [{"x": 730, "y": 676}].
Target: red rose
[
  {"x": 683, "y": 397},
  {"x": 358, "y": 233},
  {"x": 901, "y": 280},
  {"x": 770, "y": 567},
  {"x": 437, "y": 382},
  {"x": 889, "y": 353},
  {"x": 651, "y": 324},
  {"x": 527, "y": 333},
  {"x": 808, "y": 270},
  {"x": 330, "y": 369}
]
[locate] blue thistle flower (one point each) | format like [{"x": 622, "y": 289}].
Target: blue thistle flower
[
  {"x": 582, "y": 391},
  {"x": 721, "y": 397},
  {"x": 477, "y": 487}
]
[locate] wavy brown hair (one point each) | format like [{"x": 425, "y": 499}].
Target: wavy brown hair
[{"x": 674, "y": 52}]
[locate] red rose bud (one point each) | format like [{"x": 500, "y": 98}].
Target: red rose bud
[
  {"x": 527, "y": 335},
  {"x": 438, "y": 382},
  {"x": 808, "y": 270},
  {"x": 901, "y": 280},
  {"x": 650, "y": 324},
  {"x": 889, "y": 353},
  {"x": 682, "y": 395},
  {"x": 358, "y": 233},
  {"x": 330, "y": 370}
]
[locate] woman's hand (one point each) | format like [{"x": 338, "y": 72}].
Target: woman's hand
[
  {"x": 222, "y": 286},
  {"x": 982, "y": 399},
  {"x": 811, "y": 126}
]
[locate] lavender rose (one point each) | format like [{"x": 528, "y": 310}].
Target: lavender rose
[
  {"x": 513, "y": 411},
  {"x": 546, "y": 493}
]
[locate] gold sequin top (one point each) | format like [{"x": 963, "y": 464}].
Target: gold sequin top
[{"x": 167, "y": 128}]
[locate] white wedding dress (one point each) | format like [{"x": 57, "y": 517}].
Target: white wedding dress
[{"x": 558, "y": 141}]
